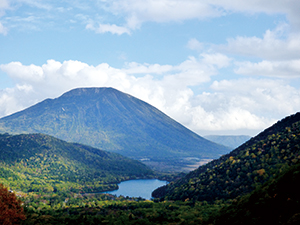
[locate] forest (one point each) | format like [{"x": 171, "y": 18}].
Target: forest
[
  {"x": 257, "y": 183},
  {"x": 41, "y": 163},
  {"x": 242, "y": 170},
  {"x": 275, "y": 202}
]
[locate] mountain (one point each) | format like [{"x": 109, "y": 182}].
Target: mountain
[
  {"x": 231, "y": 141},
  {"x": 42, "y": 163},
  {"x": 114, "y": 121},
  {"x": 276, "y": 202},
  {"x": 242, "y": 170}
]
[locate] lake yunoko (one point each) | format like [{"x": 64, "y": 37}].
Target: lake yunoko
[{"x": 138, "y": 188}]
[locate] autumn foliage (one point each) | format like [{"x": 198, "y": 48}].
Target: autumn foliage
[{"x": 11, "y": 211}]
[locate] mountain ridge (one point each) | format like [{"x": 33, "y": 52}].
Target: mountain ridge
[
  {"x": 108, "y": 119},
  {"x": 241, "y": 170},
  {"x": 37, "y": 162}
]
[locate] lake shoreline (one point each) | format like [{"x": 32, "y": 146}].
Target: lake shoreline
[{"x": 136, "y": 188}]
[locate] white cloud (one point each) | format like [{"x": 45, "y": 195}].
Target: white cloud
[
  {"x": 112, "y": 28},
  {"x": 162, "y": 10},
  {"x": 289, "y": 8},
  {"x": 276, "y": 44},
  {"x": 276, "y": 53},
  {"x": 3, "y": 30},
  {"x": 191, "y": 72},
  {"x": 137, "y": 12},
  {"x": 194, "y": 44},
  {"x": 282, "y": 69},
  {"x": 251, "y": 104},
  {"x": 4, "y": 4},
  {"x": 20, "y": 72},
  {"x": 37, "y": 4},
  {"x": 133, "y": 13},
  {"x": 12, "y": 99},
  {"x": 217, "y": 59},
  {"x": 146, "y": 68},
  {"x": 265, "y": 97},
  {"x": 242, "y": 104}
]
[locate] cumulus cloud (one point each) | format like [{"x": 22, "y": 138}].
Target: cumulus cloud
[
  {"x": 243, "y": 104},
  {"x": 30, "y": 73},
  {"x": 260, "y": 95},
  {"x": 282, "y": 69},
  {"x": 227, "y": 105},
  {"x": 275, "y": 44},
  {"x": 276, "y": 54}
]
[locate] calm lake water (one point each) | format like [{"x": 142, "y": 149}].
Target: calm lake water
[{"x": 138, "y": 188}]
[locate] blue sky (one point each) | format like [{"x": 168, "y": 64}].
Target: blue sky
[{"x": 217, "y": 67}]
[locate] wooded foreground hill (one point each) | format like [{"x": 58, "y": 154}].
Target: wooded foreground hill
[
  {"x": 260, "y": 183},
  {"x": 277, "y": 202},
  {"x": 242, "y": 170},
  {"x": 41, "y": 163}
]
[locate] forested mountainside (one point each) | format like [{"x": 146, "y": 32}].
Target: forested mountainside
[
  {"x": 114, "y": 121},
  {"x": 275, "y": 202},
  {"x": 231, "y": 141},
  {"x": 242, "y": 170},
  {"x": 41, "y": 163},
  {"x": 260, "y": 180}
]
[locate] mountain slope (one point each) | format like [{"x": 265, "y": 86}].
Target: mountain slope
[
  {"x": 240, "y": 171},
  {"x": 111, "y": 120},
  {"x": 38, "y": 162},
  {"x": 231, "y": 141},
  {"x": 276, "y": 202}
]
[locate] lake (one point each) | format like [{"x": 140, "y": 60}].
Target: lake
[{"x": 138, "y": 188}]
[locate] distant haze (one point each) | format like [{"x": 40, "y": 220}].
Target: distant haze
[{"x": 232, "y": 141}]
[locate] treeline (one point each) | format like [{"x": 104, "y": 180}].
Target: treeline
[
  {"x": 41, "y": 163},
  {"x": 258, "y": 183},
  {"x": 240, "y": 171},
  {"x": 275, "y": 202},
  {"x": 122, "y": 210}
]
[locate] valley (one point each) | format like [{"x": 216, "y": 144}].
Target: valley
[{"x": 59, "y": 177}]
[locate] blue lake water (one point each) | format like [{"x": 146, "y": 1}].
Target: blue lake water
[{"x": 138, "y": 188}]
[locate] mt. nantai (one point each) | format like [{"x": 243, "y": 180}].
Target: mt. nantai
[{"x": 114, "y": 121}]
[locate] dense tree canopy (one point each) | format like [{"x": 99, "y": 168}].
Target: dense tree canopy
[
  {"x": 240, "y": 171},
  {"x": 11, "y": 210}
]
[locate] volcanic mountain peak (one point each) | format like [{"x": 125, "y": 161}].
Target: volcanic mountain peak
[{"x": 112, "y": 120}]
